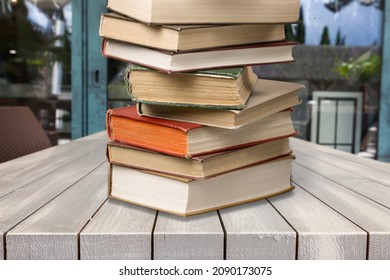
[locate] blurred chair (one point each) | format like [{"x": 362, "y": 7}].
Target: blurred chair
[{"x": 20, "y": 133}]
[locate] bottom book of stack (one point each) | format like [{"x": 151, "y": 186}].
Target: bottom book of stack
[{"x": 188, "y": 196}]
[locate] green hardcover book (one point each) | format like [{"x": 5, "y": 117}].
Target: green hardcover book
[{"x": 219, "y": 88}]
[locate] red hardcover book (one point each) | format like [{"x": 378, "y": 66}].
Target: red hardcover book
[
  {"x": 226, "y": 57},
  {"x": 186, "y": 139}
]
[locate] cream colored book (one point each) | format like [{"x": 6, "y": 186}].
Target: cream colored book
[
  {"x": 187, "y": 37},
  {"x": 183, "y": 197},
  {"x": 267, "y": 97},
  {"x": 207, "y": 11},
  {"x": 198, "y": 167},
  {"x": 187, "y": 61}
]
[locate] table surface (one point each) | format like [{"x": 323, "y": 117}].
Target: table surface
[{"x": 54, "y": 205}]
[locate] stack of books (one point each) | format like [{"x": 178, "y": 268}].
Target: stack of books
[{"x": 205, "y": 132}]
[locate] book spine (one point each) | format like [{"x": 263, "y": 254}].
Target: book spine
[
  {"x": 108, "y": 124},
  {"x": 128, "y": 84}
]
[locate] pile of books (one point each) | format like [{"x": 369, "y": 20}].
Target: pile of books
[{"x": 205, "y": 132}]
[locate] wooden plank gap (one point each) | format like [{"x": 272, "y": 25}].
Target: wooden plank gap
[
  {"x": 224, "y": 235},
  {"x": 152, "y": 239},
  {"x": 84, "y": 226},
  {"x": 296, "y": 232},
  {"x": 42, "y": 206},
  {"x": 324, "y": 202},
  {"x": 4, "y": 247},
  {"x": 341, "y": 214}
]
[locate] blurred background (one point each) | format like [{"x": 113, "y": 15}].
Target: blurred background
[{"x": 50, "y": 61}]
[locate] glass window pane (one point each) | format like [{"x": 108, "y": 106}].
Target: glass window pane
[
  {"x": 339, "y": 51},
  {"x": 35, "y": 55}
]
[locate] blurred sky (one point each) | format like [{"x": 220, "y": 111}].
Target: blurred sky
[{"x": 361, "y": 25}]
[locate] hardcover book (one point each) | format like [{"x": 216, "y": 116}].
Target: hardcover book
[
  {"x": 224, "y": 57},
  {"x": 183, "y": 196},
  {"x": 268, "y": 97},
  {"x": 189, "y": 139},
  {"x": 219, "y": 88},
  {"x": 187, "y": 37},
  {"x": 198, "y": 167},
  {"x": 207, "y": 11}
]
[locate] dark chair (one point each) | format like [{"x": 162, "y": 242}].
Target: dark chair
[{"x": 20, "y": 133}]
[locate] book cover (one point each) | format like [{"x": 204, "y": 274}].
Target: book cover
[
  {"x": 189, "y": 139},
  {"x": 187, "y": 61},
  {"x": 186, "y": 37},
  {"x": 227, "y": 88},
  {"x": 197, "y": 167},
  {"x": 184, "y": 197},
  {"x": 208, "y": 11},
  {"x": 267, "y": 97}
]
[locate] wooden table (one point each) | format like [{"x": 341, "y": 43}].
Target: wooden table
[{"x": 54, "y": 205}]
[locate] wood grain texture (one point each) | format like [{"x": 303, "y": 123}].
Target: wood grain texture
[
  {"x": 32, "y": 167},
  {"x": 30, "y": 159},
  {"x": 351, "y": 180},
  {"x": 257, "y": 231},
  {"x": 18, "y": 205},
  {"x": 372, "y": 217},
  {"x": 118, "y": 231},
  {"x": 341, "y": 155},
  {"x": 52, "y": 232},
  {"x": 322, "y": 232},
  {"x": 190, "y": 238},
  {"x": 370, "y": 169}
]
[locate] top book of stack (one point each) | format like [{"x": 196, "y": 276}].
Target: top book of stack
[{"x": 208, "y": 11}]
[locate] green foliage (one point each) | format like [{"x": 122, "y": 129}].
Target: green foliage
[
  {"x": 365, "y": 68},
  {"x": 325, "y": 39},
  {"x": 296, "y": 32},
  {"x": 340, "y": 40}
]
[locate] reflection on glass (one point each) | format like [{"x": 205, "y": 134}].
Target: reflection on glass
[
  {"x": 35, "y": 59},
  {"x": 339, "y": 53}
]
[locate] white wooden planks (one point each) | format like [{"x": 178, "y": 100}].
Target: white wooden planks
[
  {"x": 370, "y": 169},
  {"x": 303, "y": 145},
  {"x": 52, "y": 232},
  {"x": 257, "y": 231},
  {"x": 195, "y": 237},
  {"x": 322, "y": 232},
  {"x": 20, "y": 204},
  {"x": 51, "y": 208},
  {"x": 118, "y": 231},
  {"x": 32, "y": 167},
  {"x": 372, "y": 217},
  {"x": 58, "y": 151},
  {"x": 351, "y": 180}
]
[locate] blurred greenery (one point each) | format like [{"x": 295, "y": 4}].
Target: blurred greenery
[{"x": 363, "y": 69}]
